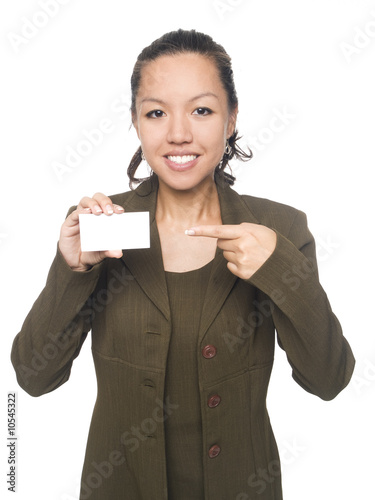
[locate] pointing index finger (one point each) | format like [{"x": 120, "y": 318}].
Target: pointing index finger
[{"x": 227, "y": 232}]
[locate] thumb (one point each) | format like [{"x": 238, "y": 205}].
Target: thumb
[{"x": 116, "y": 254}]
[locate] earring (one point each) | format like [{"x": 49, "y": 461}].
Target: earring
[
  {"x": 228, "y": 148},
  {"x": 143, "y": 156}
]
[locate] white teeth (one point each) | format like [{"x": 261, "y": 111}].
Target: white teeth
[{"x": 182, "y": 159}]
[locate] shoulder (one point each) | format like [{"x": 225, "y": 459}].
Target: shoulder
[
  {"x": 274, "y": 214},
  {"x": 141, "y": 198},
  {"x": 284, "y": 219},
  {"x": 122, "y": 198},
  {"x": 263, "y": 207}
]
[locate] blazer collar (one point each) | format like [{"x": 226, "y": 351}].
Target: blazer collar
[{"x": 146, "y": 264}]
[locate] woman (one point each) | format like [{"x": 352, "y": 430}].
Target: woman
[{"x": 183, "y": 332}]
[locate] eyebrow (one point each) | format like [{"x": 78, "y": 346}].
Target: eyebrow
[
  {"x": 160, "y": 101},
  {"x": 204, "y": 94}
]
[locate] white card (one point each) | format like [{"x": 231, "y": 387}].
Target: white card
[{"x": 114, "y": 232}]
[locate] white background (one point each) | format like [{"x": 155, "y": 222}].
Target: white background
[{"x": 311, "y": 61}]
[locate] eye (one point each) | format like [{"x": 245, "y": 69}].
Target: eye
[
  {"x": 156, "y": 113},
  {"x": 202, "y": 111}
]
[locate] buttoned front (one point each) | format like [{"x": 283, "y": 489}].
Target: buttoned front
[
  {"x": 234, "y": 350},
  {"x": 214, "y": 451},
  {"x": 209, "y": 351},
  {"x": 214, "y": 401}
]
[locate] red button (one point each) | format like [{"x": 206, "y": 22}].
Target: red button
[
  {"x": 214, "y": 401},
  {"x": 214, "y": 451},
  {"x": 209, "y": 351}
]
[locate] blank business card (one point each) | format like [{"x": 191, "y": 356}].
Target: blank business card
[{"x": 114, "y": 232}]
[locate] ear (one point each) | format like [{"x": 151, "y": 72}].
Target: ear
[{"x": 232, "y": 121}]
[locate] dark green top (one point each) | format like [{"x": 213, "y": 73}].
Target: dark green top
[{"x": 183, "y": 428}]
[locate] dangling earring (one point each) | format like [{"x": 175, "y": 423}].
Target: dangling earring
[
  {"x": 143, "y": 156},
  {"x": 228, "y": 148}
]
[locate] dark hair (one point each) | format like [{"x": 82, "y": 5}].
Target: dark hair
[{"x": 182, "y": 41}]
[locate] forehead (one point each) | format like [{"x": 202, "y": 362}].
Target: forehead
[{"x": 180, "y": 76}]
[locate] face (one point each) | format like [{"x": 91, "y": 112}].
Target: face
[{"x": 182, "y": 119}]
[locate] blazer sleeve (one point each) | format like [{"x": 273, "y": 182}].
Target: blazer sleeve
[
  {"x": 307, "y": 329},
  {"x": 55, "y": 328}
]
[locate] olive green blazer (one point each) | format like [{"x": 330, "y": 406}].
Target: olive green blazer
[{"x": 125, "y": 304}]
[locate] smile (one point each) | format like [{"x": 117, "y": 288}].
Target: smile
[{"x": 181, "y": 160}]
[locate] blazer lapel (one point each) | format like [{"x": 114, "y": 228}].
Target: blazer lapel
[
  {"x": 233, "y": 211},
  {"x": 146, "y": 264}
]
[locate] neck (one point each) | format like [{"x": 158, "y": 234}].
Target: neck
[{"x": 199, "y": 205}]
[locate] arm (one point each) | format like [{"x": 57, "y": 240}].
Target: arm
[
  {"x": 57, "y": 325},
  {"x": 285, "y": 269},
  {"x": 55, "y": 328},
  {"x": 308, "y": 331}
]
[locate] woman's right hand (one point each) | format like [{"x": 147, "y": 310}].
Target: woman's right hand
[{"x": 70, "y": 241}]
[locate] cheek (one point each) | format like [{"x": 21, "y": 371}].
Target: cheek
[
  {"x": 150, "y": 136},
  {"x": 213, "y": 137}
]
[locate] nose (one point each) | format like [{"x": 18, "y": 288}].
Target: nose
[{"x": 179, "y": 130}]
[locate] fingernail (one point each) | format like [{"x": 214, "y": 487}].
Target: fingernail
[
  {"x": 97, "y": 209},
  {"x": 119, "y": 208},
  {"x": 87, "y": 209},
  {"x": 109, "y": 209},
  {"x": 190, "y": 232}
]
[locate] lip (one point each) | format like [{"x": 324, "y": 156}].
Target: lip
[
  {"x": 181, "y": 152},
  {"x": 177, "y": 167}
]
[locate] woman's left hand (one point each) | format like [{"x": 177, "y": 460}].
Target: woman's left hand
[{"x": 246, "y": 246}]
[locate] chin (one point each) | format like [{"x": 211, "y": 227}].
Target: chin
[{"x": 187, "y": 184}]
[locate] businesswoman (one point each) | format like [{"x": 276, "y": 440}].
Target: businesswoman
[{"x": 183, "y": 332}]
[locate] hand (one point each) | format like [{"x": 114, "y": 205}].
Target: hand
[
  {"x": 70, "y": 241},
  {"x": 246, "y": 246}
]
